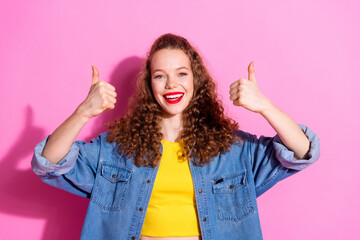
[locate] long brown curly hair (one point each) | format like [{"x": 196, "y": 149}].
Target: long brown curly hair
[{"x": 206, "y": 132}]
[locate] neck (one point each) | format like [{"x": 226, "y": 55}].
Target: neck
[{"x": 171, "y": 128}]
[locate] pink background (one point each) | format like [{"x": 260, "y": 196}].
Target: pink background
[{"x": 306, "y": 60}]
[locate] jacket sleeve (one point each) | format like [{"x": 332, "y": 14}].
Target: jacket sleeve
[
  {"x": 272, "y": 161},
  {"x": 74, "y": 173}
]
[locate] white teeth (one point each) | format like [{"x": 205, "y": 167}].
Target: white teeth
[{"x": 173, "y": 96}]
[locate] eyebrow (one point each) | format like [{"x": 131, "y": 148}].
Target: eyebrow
[{"x": 175, "y": 69}]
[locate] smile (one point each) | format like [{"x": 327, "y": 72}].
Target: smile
[{"x": 173, "y": 97}]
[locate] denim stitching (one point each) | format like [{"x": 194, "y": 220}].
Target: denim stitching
[
  {"x": 228, "y": 215},
  {"x": 98, "y": 200}
]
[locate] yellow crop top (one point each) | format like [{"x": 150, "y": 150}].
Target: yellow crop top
[{"x": 172, "y": 207}]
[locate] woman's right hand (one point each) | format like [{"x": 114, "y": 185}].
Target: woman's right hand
[{"x": 102, "y": 96}]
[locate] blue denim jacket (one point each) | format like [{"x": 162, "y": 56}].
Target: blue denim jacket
[{"x": 225, "y": 189}]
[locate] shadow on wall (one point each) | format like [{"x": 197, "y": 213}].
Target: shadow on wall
[
  {"x": 123, "y": 79},
  {"x": 23, "y": 193}
]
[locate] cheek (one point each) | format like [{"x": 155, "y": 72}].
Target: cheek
[
  {"x": 156, "y": 89},
  {"x": 190, "y": 86}
]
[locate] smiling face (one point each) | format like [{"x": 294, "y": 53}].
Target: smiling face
[{"x": 172, "y": 80}]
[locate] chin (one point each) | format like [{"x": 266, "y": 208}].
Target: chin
[{"x": 172, "y": 113}]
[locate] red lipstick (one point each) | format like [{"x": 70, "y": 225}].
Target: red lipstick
[{"x": 173, "y": 97}]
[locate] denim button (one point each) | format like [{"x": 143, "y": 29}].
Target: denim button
[
  {"x": 231, "y": 186},
  {"x": 148, "y": 181},
  {"x": 200, "y": 191},
  {"x": 113, "y": 176},
  {"x": 204, "y": 219},
  {"x": 133, "y": 238},
  {"x": 140, "y": 209}
]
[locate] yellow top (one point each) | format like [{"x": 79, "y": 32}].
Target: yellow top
[{"x": 172, "y": 207}]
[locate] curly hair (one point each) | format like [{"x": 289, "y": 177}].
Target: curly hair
[{"x": 206, "y": 132}]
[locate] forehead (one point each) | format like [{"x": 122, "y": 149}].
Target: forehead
[{"x": 168, "y": 59}]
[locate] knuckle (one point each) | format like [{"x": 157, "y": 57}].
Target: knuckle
[{"x": 101, "y": 89}]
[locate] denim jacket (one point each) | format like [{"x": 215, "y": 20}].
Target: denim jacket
[{"x": 225, "y": 189}]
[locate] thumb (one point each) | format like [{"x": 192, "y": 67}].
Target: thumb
[
  {"x": 95, "y": 75},
  {"x": 251, "y": 72}
]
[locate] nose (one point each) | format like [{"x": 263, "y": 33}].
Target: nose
[{"x": 171, "y": 82}]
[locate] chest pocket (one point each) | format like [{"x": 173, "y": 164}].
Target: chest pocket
[
  {"x": 232, "y": 197},
  {"x": 110, "y": 187}
]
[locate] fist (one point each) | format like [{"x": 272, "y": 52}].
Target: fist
[
  {"x": 245, "y": 93},
  {"x": 101, "y": 96}
]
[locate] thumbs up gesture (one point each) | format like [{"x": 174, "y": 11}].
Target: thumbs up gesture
[
  {"x": 101, "y": 96},
  {"x": 245, "y": 93}
]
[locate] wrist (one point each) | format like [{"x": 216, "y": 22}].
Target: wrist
[
  {"x": 81, "y": 115},
  {"x": 268, "y": 109}
]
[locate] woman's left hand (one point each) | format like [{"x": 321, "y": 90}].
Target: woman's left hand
[{"x": 245, "y": 93}]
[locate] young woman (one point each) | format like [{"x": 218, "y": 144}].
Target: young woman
[{"x": 174, "y": 167}]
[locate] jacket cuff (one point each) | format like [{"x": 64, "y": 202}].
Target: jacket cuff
[
  {"x": 286, "y": 157},
  {"x": 42, "y": 167}
]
